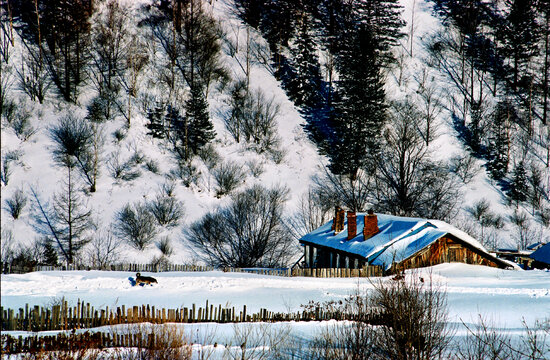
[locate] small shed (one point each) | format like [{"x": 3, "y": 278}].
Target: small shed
[
  {"x": 541, "y": 257},
  {"x": 358, "y": 239}
]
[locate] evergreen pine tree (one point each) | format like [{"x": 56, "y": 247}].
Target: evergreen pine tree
[
  {"x": 383, "y": 19},
  {"x": 156, "y": 122},
  {"x": 520, "y": 33},
  {"x": 178, "y": 132},
  {"x": 519, "y": 188},
  {"x": 359, "y": 114},
  {"x": 476, "y": 128},
  {"x": 201, "y": 130},
  {"x": 306, "y": 84},
  {"x": 49, "y": 254},
  {"x": 498, "y": 141}
]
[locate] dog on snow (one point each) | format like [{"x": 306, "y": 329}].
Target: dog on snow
[{"x": 145, "y": 280}]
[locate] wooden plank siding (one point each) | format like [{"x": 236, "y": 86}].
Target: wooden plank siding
[{"x": 449, "y": 249}]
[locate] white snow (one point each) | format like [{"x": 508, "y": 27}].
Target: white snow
[{"x": 506, "y": 295}]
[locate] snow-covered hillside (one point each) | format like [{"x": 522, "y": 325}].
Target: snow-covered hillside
[
  {"x": 35, "y": 167},
  {"x": 299, "y": 160}
]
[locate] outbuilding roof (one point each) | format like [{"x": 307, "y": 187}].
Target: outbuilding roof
[
  {"x": 398, "y": 238},
  {"x": 542, "y": 254}
]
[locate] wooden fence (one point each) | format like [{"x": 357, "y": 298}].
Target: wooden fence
[
  {"x": 75, "y": 343},
  {"x": 85, "y": 316},
  {"x": 367, "y": 271},
  {"x": 115, "y": 267}
]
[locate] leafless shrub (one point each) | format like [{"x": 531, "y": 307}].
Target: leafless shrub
[
  {"x": 167, "y": 188},
  {"x": 122, "y": 170},
  {"x": 252, "y": 117},
  {"x": 167, "y": 210},
  {"x": 312, "y": 213},
  {"x": 7, "y": 243},
  {"x": 255, "y": 167},
  {"x": 248, "y": 232},
  {"x": 19, "y": 121},
  {"x": 165, "y": 246},
  {"x": 465, "y": 167},
  {"x": 137, "y": 157},
  {"x": 524, "y": 234},
  {"x": 7, "y": 158},
  {"x": 8, "y": 108},
  {"x": 485, "y": 340},
  {"x": 257, "y": 341},
  {"x": 16, "y": 203},
  {"x": 276, "y": 153},
  {"x": 209, "y": 156},
  {"x": 120, "y": 134},
  {"x": 152, "y": 165},
  {"x": 158, "y": 342},
  {"x": 160, "y": 262},
  {"x": 411, "y": 315},
  {"x": 186, "y": 172},
  {"x": 136, "y": 225},
  {"x": 104, "y": 249},
  {"x": 486, "y": 219},
  {"x": 228, "y": 176}
]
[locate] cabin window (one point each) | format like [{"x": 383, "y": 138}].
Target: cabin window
[{"x": 306, "y": 256}]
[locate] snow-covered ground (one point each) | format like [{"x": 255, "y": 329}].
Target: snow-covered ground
[{"x": 506, "y": 296}]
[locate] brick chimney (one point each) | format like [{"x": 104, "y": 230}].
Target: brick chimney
[
  {"x": 352, "y": 224},
  {"x": 338, "y": 222},
  {"x": 371, "y": 225}
]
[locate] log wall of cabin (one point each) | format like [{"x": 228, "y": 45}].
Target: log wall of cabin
[{"x": 446, "y": 250}]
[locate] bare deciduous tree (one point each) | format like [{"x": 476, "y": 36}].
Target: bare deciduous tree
[
  {"x": 312, "y": 213},
  {"x": 67, "y": 221},
  {"x": 104, "y": 249},
  {"x": 408, "y": 182},
  {"x": 246, "y": 233},
  {"x": 343, "y": 190}
]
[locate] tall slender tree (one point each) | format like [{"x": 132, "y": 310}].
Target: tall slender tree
[
  {"x": 306, "y": 86},
  {"x": 520, "y": 34},
  {"x": 359, "y": 115}
]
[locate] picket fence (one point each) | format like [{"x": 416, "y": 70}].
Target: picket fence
[
  {"x": 367, "y": 271},
  {"x": 84, "y": 316},
  {"x": 115, "y": 267}
]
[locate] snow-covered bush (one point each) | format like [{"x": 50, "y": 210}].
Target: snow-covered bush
[
  {"x": 248, "y": 232},
  {"x": 136, "y": 225},
  {"x": 167, "y": 210},
  {"x": 165, "y": 246},
  {"x": 16, "y": 203},
  {"x": 228, "y": 176},
  {"x": 209, "y": 156}
]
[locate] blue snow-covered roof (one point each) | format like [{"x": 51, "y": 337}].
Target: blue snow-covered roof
[
  {"x": 398, "y": 238},
  {"x": 542, "y": 254}
]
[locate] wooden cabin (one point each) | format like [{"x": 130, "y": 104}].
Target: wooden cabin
[{"x": 354, "y": 240}]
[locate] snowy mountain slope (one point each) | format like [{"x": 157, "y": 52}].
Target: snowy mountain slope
[{"x": 36, "y": 168}]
